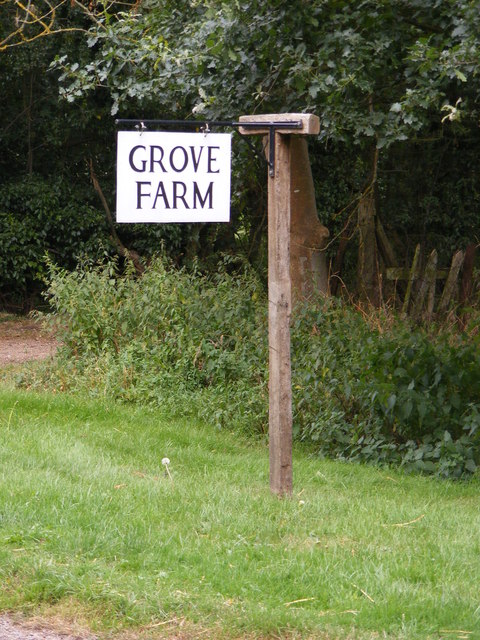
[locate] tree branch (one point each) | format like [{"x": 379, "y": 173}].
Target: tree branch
[{"x": 119, "y": 246}]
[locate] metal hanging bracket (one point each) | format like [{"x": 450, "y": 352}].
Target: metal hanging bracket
[
  {"x": 262, "y": 127},
  {"x": 292, "y": 123}
]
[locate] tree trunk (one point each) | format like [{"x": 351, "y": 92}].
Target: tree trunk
[
  {"x": 367, "y": 269},
  {"x": 336, "y": 269},
  {"x": 28, "y": 104}
]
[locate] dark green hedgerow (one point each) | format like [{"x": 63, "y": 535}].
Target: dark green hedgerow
[
  {"x": 40, "y": 216},
  {"x": 390, "y": 395},
  {"x": 365, "y": 388}
]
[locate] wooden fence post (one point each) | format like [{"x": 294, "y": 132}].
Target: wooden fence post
[
  {"x": 280, "y": 289},
  {"x": 451, "y": 283}
]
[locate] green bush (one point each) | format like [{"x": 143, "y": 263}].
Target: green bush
[
  {"x": 39, "y": 216},
  {"x": 365, "y": 388},
  {"x": 388, "y": 394},
  {"x": 166, "y": 336}
]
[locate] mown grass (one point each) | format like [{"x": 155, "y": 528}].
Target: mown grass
[{"x": 87, "y": 515}]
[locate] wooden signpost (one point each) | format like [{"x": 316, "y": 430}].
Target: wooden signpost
[
  {"x": 148, "y": 161},
  {"x": 279, "y": 287}
]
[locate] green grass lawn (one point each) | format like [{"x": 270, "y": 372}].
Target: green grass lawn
[{"x": 90, "y": 521}]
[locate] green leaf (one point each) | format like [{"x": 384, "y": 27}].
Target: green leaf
[
  {"x": 470, "y": 465},
  {"x": 391, "y": 401}
]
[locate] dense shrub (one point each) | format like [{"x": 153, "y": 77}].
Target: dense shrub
[
  {"x": 167, "y": 337},
  {"x": 39, "y": 216},
  {"x": 364, "y": 387},
  {"x": 384, "y": 392}
]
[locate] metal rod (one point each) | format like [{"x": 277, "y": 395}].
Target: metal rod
[{"x": 286, "y": 124}]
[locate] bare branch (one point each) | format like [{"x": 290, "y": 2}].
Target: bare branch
[{"x": 41, "y": 20}]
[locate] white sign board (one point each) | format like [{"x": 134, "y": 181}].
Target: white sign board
[{"x": 173, "y": 177}]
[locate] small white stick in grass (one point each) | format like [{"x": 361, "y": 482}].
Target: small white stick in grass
[
  {"x": 160, "y": 624},
  {"x": 364, "y": 593},
  {"x": 404, "y": 524},
  {"x": 288, "y": 604},
  {"x": 166, "y": 462}
]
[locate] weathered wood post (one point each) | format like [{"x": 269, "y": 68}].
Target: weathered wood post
[{"x": 279, "y": 283}]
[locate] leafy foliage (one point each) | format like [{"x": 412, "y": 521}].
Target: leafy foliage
[
  {"x": 371, "y": 393},
  {"x": 39, "y": 217},
  {"x": 371, "y": 71},
  {"x": 166, "y": 335},
  {"x": 364, "y": 388},
  {"x": 399, "y": 76}
]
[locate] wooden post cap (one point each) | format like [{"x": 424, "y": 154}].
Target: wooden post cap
[{"x": 310, "y": 124}]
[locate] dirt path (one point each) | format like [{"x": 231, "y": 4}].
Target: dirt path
[
  {"x": 14, "y": 630},
  {"x": 22, "y": 340}
]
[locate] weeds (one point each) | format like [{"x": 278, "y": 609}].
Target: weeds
[
  {"x": 365, "y": 386},
  {"x": 394, "y": 394}
]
